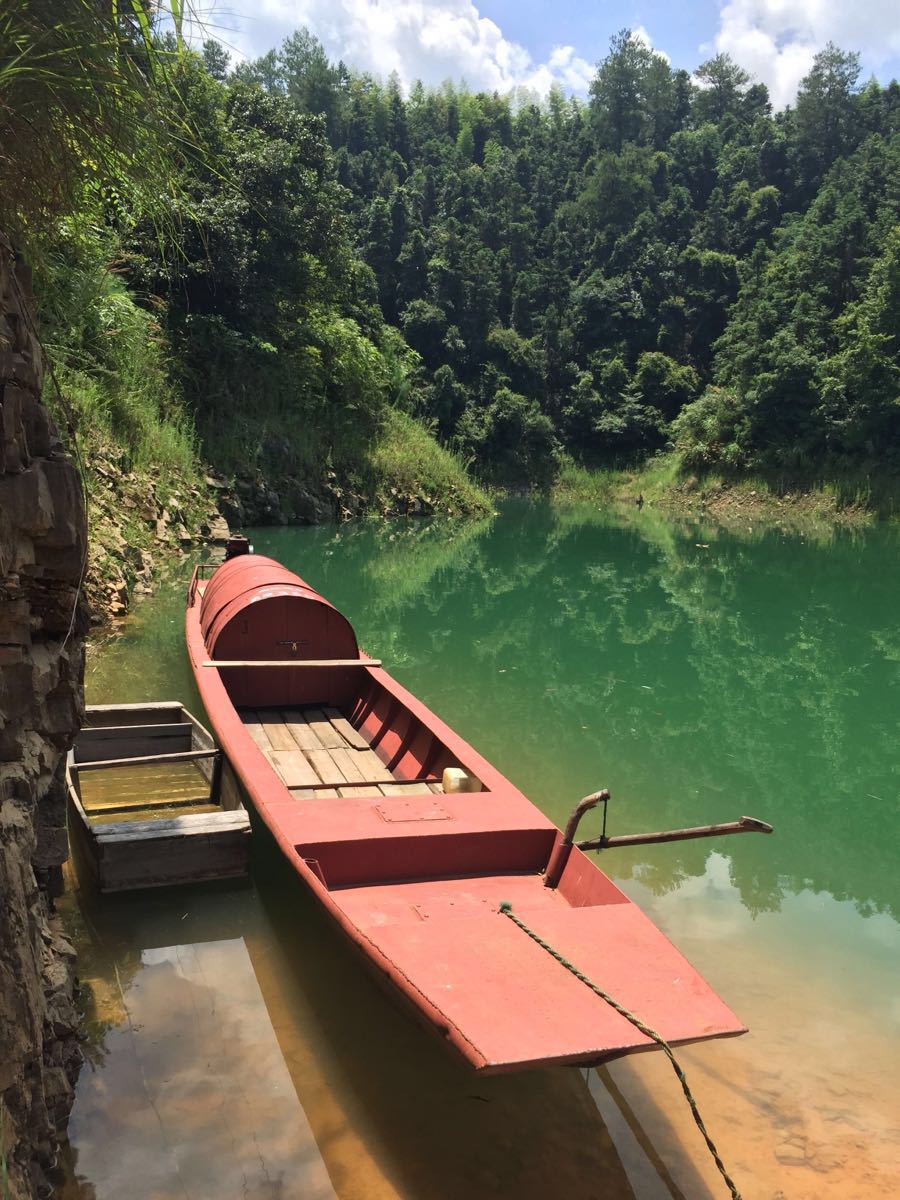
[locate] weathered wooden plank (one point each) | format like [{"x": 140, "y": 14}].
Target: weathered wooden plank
[
  {"x": 191, "y": 825},
  {"x": 118, "y": 748},
  {"x": 350, "y": 735},
  {"x": 354, "y": 771},
  {"x": 354, "y": 790},
  {"x": 98, "y": 733},
  {"x": 326, "y": 768},
  {"x": 140, "y": 760},
  {"x": 323, "y": 729},
  {"x": 277, "y": 732},
  {"x": 371, "y": 765},
  {"x": 293, "y": 767},
  {"x": 319, "y": 793},
  {"x": 436, "y": 787},
  {"x": 161, "y": 861},
  {"x": 291, "y": 663},
  {"x": 253, "y": 725},
  {"x": 98, "y": 715},
  {"x": 138, "y": 817},
  {"x": 300, "y": 730}
]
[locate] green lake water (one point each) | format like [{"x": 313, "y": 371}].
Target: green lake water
[{"x": 700, "y": 675}]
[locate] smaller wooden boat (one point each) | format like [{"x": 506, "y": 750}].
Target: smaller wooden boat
[{"x": 145, "y": 784}]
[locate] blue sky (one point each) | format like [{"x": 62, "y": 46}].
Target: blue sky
[{"x": 508, "y": 43}]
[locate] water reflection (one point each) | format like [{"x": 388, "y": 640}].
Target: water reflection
[{"x": 699, "y": 675}]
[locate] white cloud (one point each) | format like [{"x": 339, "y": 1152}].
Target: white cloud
[
  {"x": 777, "y": 39},
  {"x": 640, "y": 34},
  {"x": 431, "y": 40}
]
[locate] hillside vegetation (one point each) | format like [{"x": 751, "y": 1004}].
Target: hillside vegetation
[
  {"x": 318, "y": 278},
  {"x": 668, "y": 262}
]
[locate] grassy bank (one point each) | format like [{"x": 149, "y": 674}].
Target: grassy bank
[
  {"x": 664, "y": 484},
  {"x": 144, "y": 466},
  {"x": 406, "y": 466}
]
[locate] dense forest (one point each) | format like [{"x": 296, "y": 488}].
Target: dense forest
[{"x": 667, "y": 263}]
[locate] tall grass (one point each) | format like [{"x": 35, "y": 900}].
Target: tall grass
[
  {"x": 405, "y": 459},
  {"x": 87, "y": 100}
]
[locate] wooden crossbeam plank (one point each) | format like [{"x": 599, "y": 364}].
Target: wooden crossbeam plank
[
  {"x": 291, "y": 663},
  {"x": 293, "y": 767},
  {"x": 140, "y": 760},
  {"x": 93, "y": 748},
  {"x": 421, "y": 785},
  {"x": 100, "y": 733},
  {"x": 350, "y": 735}
]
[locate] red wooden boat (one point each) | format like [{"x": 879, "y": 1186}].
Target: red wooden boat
[{"x": 345, "y": 767}]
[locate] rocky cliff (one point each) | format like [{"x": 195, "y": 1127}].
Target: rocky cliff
[{"x": 42, "y": 625}]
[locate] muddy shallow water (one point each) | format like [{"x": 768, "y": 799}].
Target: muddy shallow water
[{"x": 237, "y": 1047}]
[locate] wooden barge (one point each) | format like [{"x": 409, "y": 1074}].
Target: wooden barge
[
  {"x": 147, "y": 800},
  {"x": 347, "y": 769}
]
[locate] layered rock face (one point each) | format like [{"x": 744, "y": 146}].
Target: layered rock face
[{"x": 42, "y": 625}]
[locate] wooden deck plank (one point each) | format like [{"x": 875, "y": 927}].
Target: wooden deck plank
[
  {"x": 436, "y": 787},
  {"x": 363, "y": 790},
  {"x": 330, "y": 772},
  {"x": 253, "y": 725},
  {"x": 350, "y": 735},
  {"x": 354, "y": 770},
  {"x": 293, "y": 767},
  {"x": 371, "y": 765},
  {"x": 280, "y": 737},
  {"x": 323, "y": 729},
  {"x": 300, "y": 731}
]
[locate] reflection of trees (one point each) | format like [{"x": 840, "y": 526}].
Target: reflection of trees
[{"x": 748, "y": 674}]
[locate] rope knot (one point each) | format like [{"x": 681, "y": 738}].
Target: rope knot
[{"x": 505, "y": 906}]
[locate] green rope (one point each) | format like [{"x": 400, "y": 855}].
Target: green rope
[{"x": 506, "y": 910}]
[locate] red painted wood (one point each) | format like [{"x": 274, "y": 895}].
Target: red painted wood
[{"x": 417, "y": 887}]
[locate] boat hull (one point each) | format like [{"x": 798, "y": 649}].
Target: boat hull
[
  {"x": 150, "y": 804},
  {"x": 415, "y": 878}
]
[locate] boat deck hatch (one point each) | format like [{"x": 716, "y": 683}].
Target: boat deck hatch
[{"x": 413, "y": 810}]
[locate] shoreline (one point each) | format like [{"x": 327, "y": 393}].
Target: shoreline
[{"x": 795, "y": 504}]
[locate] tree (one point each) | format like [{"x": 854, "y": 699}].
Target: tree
[
  {"x": 723, "y": 87},
  {"x": 620, "y": 92},
  {"x": 824, "y": 117}
]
